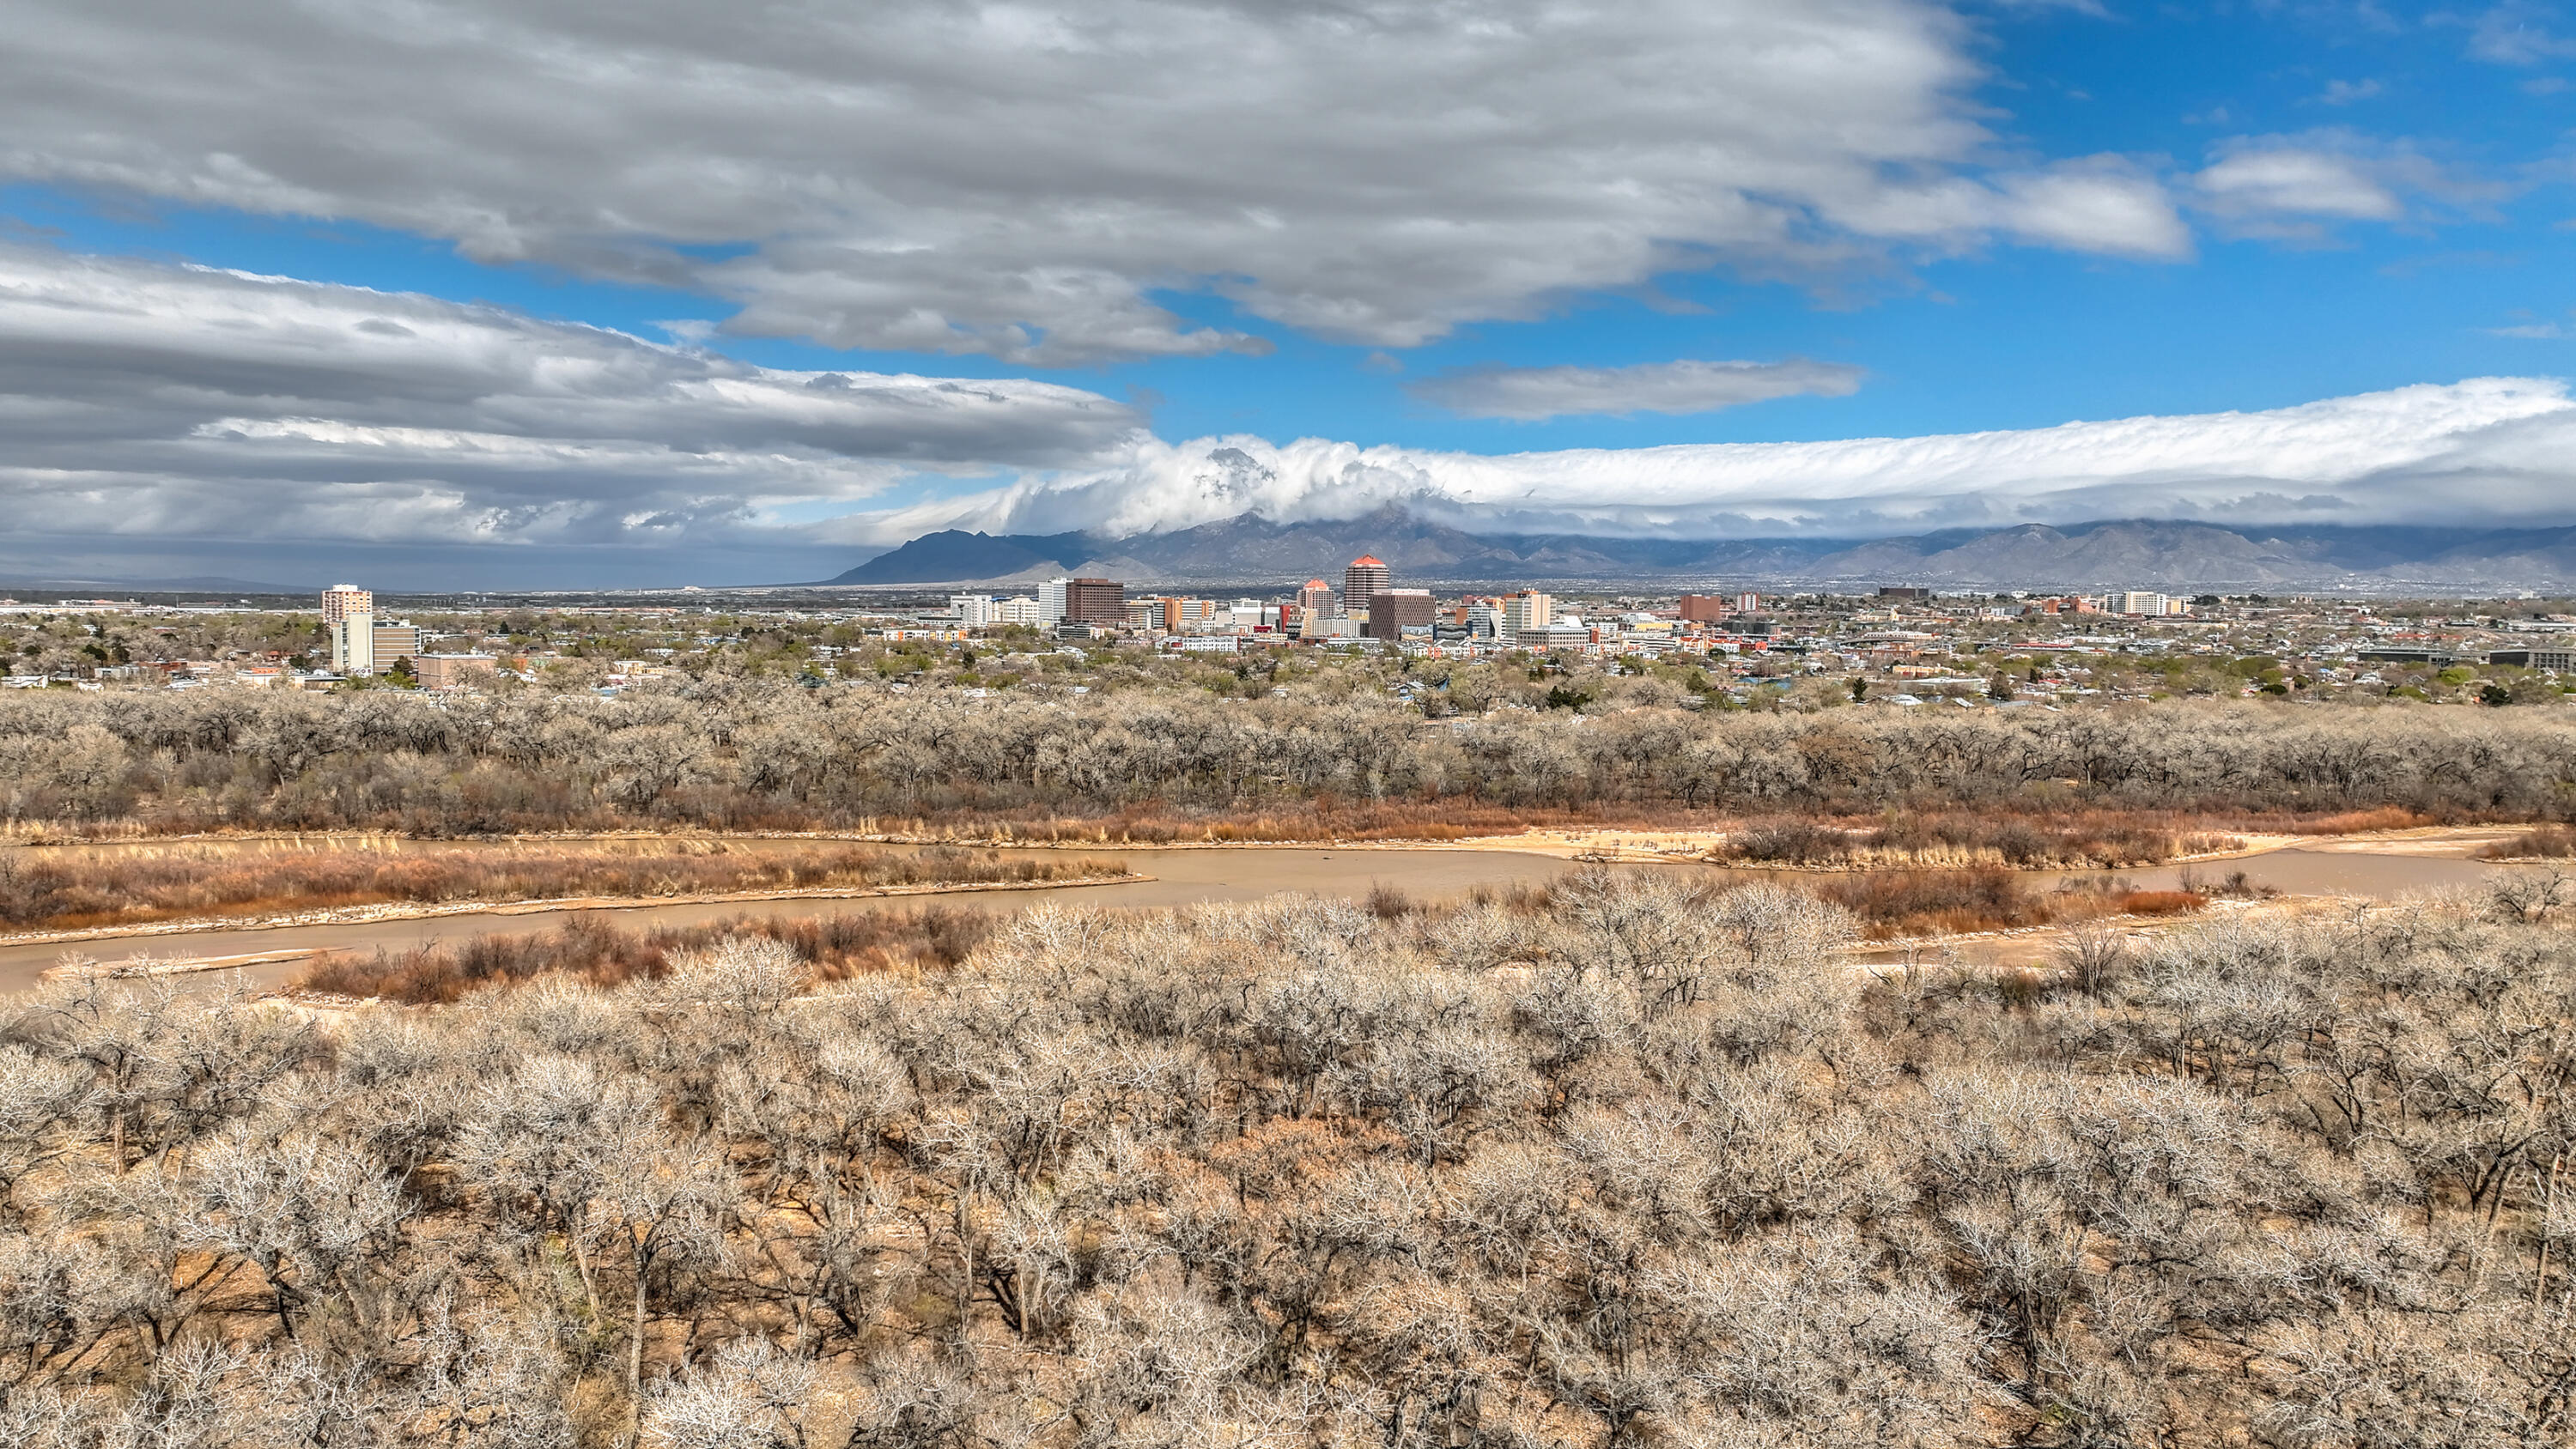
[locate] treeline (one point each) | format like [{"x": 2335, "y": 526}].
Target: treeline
[
  {"x": 1645, "y": 1167},
  {"x": 735, "y": 755}
]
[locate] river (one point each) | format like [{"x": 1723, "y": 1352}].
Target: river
[{"x": 1183, "y": 877}]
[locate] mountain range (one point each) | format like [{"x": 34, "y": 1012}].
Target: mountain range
[{"x": 2134, "y": 553}]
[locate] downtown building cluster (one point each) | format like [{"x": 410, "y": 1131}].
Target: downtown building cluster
[{"x": 1369, "y": 609}]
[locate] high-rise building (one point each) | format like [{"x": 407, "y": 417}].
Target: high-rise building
[
  {"x": 1702, "y": 608},
  {"x": 1748, "y": 603},
  {"x": 1315, "y": 598},
  {"x": 1366, "y": 575},
  {"x": 1051, "y": 601},
  {"x": 353, "y": 643},
  {"x": 1528, "y": 609},
  {"x": 1392, "y": 612},
  {"x": 974, "y": 611},
  {"x": 341, "y": 600},
  {"x": 1095, "y": 601}
]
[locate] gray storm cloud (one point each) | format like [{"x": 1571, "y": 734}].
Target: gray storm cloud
[
  {"x": 1020, "y": 180},
  {"x": 151, "y": 401}
]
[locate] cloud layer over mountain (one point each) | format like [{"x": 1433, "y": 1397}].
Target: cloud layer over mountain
[
  {"x": 2488, "y": 449},
  {"x": 999, "y": 177}
]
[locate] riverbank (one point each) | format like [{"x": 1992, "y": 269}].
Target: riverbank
[{"x": 402, "y": 911}]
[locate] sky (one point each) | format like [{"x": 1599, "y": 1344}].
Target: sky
[{"x": 456, "y": 294}]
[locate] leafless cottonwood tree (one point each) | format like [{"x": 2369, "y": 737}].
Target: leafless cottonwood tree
[
  {"x": 724, "y": 752},
  {"x": 1652, "y": 1165}
]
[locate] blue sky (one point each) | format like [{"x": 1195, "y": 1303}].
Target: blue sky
[{"x": 2354, "y": 199}]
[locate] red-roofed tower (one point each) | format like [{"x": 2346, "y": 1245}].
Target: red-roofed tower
[{"x": 1368, "y": 574}]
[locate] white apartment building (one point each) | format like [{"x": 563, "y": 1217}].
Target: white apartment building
[
  {"x": 975, "y": 611},
  {"x": 1021, "y": 610},
  {"x": 1529, "y": 609},
  {"x": 353, "y": 644},
  {"x": 2153, "y": 605}
]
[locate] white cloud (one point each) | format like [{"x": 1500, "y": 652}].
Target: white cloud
[
  {"x": 2296, "y": 188},
  {"x": 145, "y": 401},
  {"x": 2491, "y": 449},
  {"x": 2519, "y": 33},
  {"x": 1527, "y": 394},
  {"x": 1000, "y": 177},
  {"x": 2274, "y": 184}
]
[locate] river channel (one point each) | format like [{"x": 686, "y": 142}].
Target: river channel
[{"x": 1180, "y": 877}]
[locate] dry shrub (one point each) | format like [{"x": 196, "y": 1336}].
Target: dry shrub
[
  {"x": 835, "y": 947},
  {"x": 1790, "y": 841},
  {"x": 1985, "y": 898},
  {"x": 2160, "y": 903},
  {"x": 2549, "y": 842},
  {"x": 2361, "y": 822},
  {"x": 1388, "y": 901}
]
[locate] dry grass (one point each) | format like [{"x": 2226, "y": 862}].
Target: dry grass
[
  {"x": 121, "y": 887},
  {"x": 836, "y": 947}
]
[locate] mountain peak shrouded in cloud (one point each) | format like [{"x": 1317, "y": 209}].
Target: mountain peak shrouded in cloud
[{"x": 2489, "y": 448}]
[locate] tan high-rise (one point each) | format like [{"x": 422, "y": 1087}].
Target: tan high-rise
[{"x": 341, "y": 600}]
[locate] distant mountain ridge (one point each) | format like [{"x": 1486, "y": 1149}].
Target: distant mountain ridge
[{"x": 2142, "y": 553}]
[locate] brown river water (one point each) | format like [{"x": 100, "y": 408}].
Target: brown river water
[{"x": 1179, "y": 877}]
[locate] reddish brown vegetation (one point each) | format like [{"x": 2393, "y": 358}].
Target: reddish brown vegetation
[{"x": 117, "y": 887}]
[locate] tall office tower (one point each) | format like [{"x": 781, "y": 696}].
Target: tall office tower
[
  {"x": 1528, "y": 609},
  {"x": 341, "y": 600},
  {"x": 1367, "y": 575},
  {"x": 1051, "y": 601},
  {"x": 1394, "y": 613},
  {"x": 1748, "y": 603}
]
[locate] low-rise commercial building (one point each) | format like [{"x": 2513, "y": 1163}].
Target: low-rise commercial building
[{"x": 455, "y": 671}]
